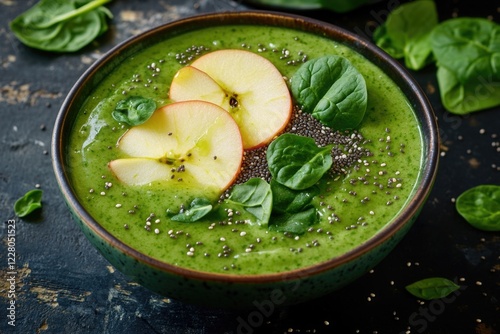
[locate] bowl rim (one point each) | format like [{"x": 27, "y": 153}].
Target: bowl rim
[{"x": 358, "y": 43}]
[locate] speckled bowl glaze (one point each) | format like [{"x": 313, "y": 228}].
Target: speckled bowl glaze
[{"x": 258, "y": 291}]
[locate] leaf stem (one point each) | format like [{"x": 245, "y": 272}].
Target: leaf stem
[{"x": 74, "y": 13}]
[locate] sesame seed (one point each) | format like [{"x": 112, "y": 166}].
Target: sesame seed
[{"x": 118, "y": 205}]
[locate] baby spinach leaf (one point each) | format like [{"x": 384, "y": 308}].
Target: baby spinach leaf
[
  {"x": 296, "y": 162},
  {"x": 289, "y": 200},
  {"x": 332, "y": 90},
  {"x": 198, "y": 209},
  {"x": 28, "y": 203},
  {"x": 295, "y": 223},
  {"x": 61, "y": 25},
  {"x": 467, "y": 52},
  {"x": 406, "y": 33},
  {"x": 480, "y": 206},
  {"x": 134, "y": 110},
  {"x": 432, "y": 288},
  {"x": 340, "y": 6},
  {"x": 255, "y": 197},
  {"x": 474, "y": 94}
]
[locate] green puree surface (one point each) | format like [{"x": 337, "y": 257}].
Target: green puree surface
[{"x": 347, "y": 217}]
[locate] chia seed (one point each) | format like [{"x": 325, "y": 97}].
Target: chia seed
[{"x": 347, "y": 150}]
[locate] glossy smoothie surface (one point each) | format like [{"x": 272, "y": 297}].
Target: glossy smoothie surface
[{"x": 353, "y": 206}]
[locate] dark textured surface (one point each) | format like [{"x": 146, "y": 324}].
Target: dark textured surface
[{"x": 65, "y": 286}]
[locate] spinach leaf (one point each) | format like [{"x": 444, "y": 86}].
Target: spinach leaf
[
  {"x": 406, "y": 33},
  {"x": 296, "y": 162},
  {"x": 134, "y": 110},
  {"x": 253, "y": 196},
  {"x": 332, "y": 90},
  {"x": 339, "y": 6},
  {"x": 198, "y": 209},
  {"x": 467, "y": 52},
  {"x": 61, "y": 25},
  {"x": 480, "y": 206},
  {"x": 295, "y": 223},
  {"x": 28, "y": 203},
  {"x": 286, "y": 200},
  {"x": 432, "y": 288}
]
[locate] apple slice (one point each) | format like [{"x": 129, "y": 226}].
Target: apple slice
[
  {"x": 193, "y": 142},
  {"x": 245, "y": 84},
  {"x": 190, "y": 83}
]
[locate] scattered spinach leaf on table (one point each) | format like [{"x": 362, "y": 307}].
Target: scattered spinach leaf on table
[
  {"x": 432, "y": 288},
  {"x": 297, "y": 162},
  {"x": 61, "y": 25},
  {"x": 406, "y": 33},
  {"x": 332, "y": 90},
  {"x": 198, "y": 208},
  {"x": 134, "y": 110},
  {"x": 339, "y": 6},
  {"x": 467, "y": 52},
  {"x": 31, "y": 201},
  {"x": 480, "y": 206}
]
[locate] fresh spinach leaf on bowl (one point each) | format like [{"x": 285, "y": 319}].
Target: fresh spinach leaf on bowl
[
  {"x": 297, "y": 162},
  {"x": 255, "y": 197},
  {"x": 134, "y": 110},
  {"x": 332, "y": 90},
  {"x": 198, "y": 208},
  {"x": 61, "y": 25}
]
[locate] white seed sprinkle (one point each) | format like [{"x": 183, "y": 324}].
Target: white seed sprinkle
[
  {"x": 103, "y": 193},
  {"x": 190, "y": 254},
  {"x": 222, "y": 239},
  {"x": 242, "y": 234},
  {"x": 118, "y": 205},
  {"x": 157, "y": 231}
]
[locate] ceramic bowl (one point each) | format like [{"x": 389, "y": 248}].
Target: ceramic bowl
[{"x": 232, "y": 291}]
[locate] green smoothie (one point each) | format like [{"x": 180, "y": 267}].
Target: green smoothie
[{"x": 354, "y": 203}]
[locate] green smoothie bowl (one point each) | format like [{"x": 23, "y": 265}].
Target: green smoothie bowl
[{"x": 241, "y": 158}]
